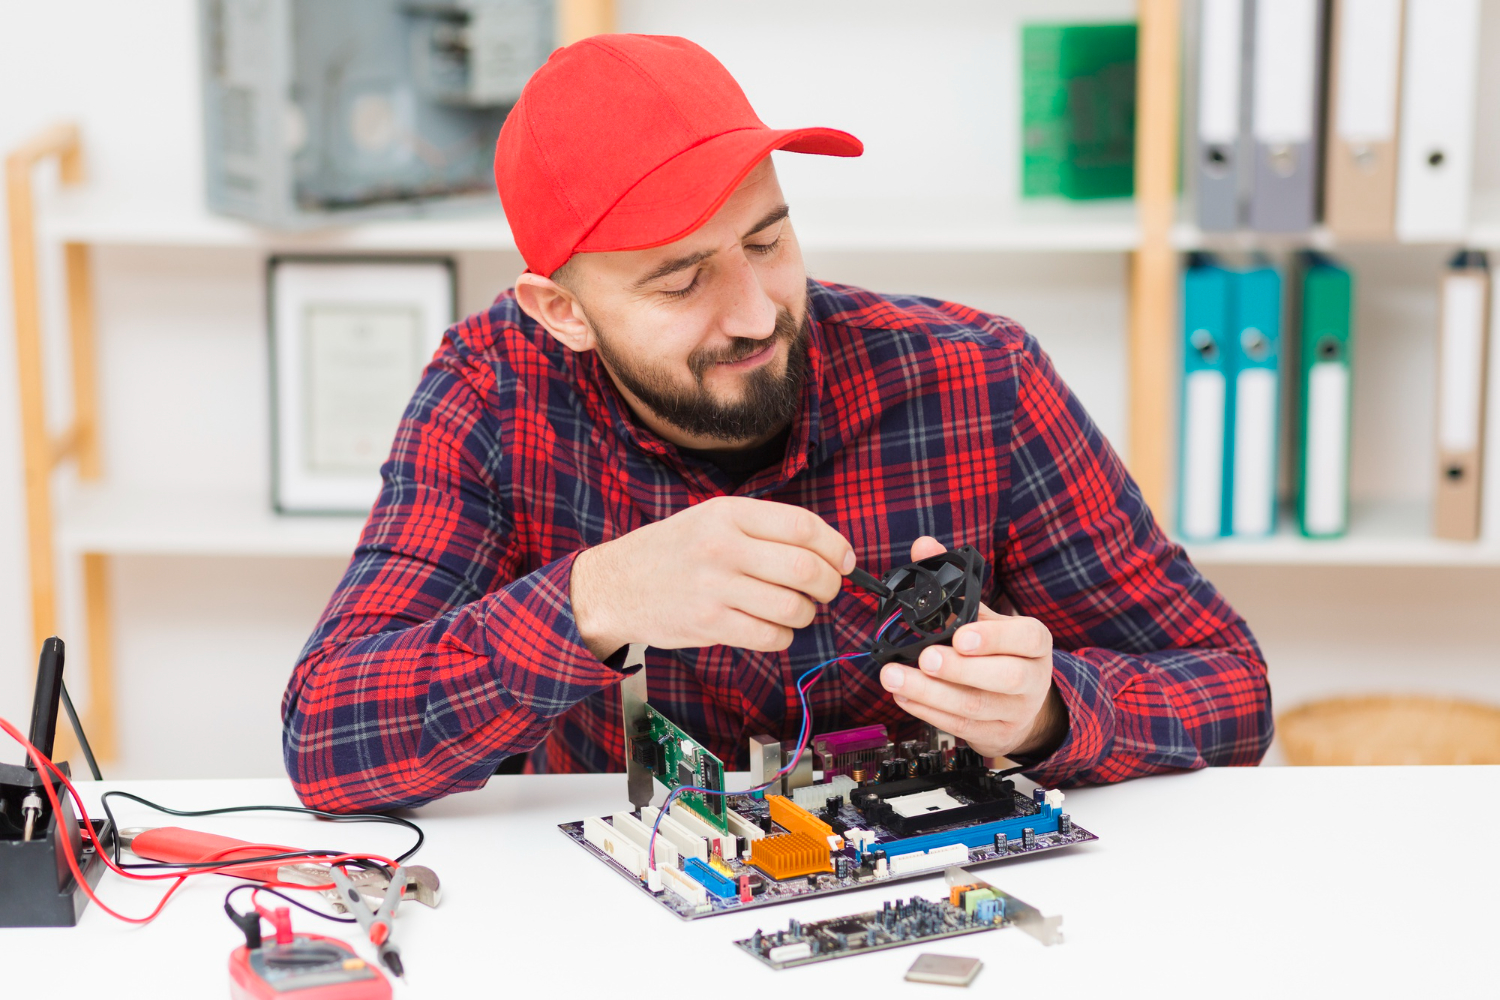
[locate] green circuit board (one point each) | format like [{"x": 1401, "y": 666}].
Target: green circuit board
[{"x": 676, "y": 759}]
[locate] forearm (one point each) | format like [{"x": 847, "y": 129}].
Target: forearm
[{"x": 406, "y": 715}]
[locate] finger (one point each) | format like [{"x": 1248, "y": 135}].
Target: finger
[
  {"x": 998, "y": 673},
  {"x": 989, "y": 739},
  {"x": 744, "y": 631},
  {"x": 790, "y": 566},
  {"x": 1004, "y": 634},
  {"x": 957, "y": 699},
  {"x": 771, "y": 603},
  {"x": 926, "y": 547},
  {"x": 790, "y": 525}
]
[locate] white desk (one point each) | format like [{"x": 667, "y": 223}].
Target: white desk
[{"x": 1269, "y": 882}]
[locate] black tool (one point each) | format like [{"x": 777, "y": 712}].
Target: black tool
[
  {"x": 932, "y": 598},
  {"x": 37, "y": 888}
]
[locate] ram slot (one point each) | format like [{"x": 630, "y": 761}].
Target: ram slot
[
  {"x": 688, "y": 843},
  {"x": 640, "y": 834}
]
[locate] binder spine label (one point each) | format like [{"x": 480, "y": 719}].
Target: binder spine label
[{"x": 1327, "y": 447}]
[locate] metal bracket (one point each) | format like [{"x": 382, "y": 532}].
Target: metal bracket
[{"x": 633, "y": 715}]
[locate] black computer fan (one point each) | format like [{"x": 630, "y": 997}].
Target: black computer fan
[{"x": 934, "y": 598}]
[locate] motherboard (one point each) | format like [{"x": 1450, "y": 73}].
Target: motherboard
[{"x": 882, "y": 812}]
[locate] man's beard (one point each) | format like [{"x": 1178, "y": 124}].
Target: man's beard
[{"x": 768, "y": 400}]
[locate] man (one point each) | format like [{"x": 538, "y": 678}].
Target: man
[{"x": 665, "y": 434}]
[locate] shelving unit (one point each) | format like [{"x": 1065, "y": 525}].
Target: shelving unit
[{"x": 107, "y": 517}]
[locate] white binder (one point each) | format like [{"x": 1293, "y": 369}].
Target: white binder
[{"x": 1438, "y": 91}]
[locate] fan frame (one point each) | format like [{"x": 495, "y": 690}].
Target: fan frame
[{"x": 962, "y": 603}]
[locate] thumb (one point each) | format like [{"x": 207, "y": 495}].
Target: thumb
[{"x": 926, "y": 547}]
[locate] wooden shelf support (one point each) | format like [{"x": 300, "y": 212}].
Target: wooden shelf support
[
  {"x": 43, "y": 452},
  {"x": 578, "y": 19},
  {"x": 1153, "y": 267}
]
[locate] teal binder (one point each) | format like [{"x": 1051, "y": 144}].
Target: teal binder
[
  {"x": 1252, "y": 432},
  {"x": 1201, "y": 480},
  {"x": 1324, "y": 398}
]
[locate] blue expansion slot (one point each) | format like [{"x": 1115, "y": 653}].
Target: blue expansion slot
[
  {"x": 973, "y": 836},
  {"x": 714, "y": 882}
]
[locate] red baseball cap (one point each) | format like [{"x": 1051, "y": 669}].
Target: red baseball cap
[{"x": 623, "y": 142}]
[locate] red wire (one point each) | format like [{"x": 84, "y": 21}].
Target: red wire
[{"x": 43, "y": 764}]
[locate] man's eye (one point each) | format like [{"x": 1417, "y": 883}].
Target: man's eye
[
  {"x": 677, "y": 293},
  {"x": 764, "y": 248}
]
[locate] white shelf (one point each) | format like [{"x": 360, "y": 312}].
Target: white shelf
[
  {"x": 136, "y": 522},
  {"x": 121, "y": 521},
  {"x": 1381, "y": 534},
  {"x": 823, "y": 226}
]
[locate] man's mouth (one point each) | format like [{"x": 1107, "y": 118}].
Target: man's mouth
[{"x": 760, "y": 357}]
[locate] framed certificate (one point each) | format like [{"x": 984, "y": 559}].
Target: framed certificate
[{"x": 349, "y": 339}]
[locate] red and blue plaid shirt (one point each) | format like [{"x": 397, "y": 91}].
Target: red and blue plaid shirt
[{"x": 450, "y": 644}]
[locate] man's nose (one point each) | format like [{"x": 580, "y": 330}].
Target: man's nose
[{"x": 746, "y": 311}]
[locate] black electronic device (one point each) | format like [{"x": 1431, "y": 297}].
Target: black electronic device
[
  {"x": 930, "y": 599},
  {"x": 37, "y": 888}
]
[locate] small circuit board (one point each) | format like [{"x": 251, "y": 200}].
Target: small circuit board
[
  {"x": 918, "y": 812},
  {"x": 972, "y": 906},
  {"x": 676, "y": 759}
]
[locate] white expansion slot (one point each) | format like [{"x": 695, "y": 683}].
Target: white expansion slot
[
  {"x": 639, "y": 834},
  {"x": 625, "y": 854},
  {"x": 688, "y": 843}
]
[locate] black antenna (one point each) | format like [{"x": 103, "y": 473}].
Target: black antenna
[{"x": 49, "y": 670}]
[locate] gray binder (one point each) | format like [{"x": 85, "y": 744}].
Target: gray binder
[
  {"x": 1285, "y": 102},
  {"x": 1220, "y": 149}
]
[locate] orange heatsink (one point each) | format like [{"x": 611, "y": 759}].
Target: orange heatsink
[{"x": 788, "y": 855}]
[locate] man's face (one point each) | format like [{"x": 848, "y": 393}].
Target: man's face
[{"x": 705, "y": 337}]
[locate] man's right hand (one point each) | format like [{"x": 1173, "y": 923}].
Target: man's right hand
[{"x": 731, "y": 571}]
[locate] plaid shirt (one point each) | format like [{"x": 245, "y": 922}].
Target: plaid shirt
[{"x": 450, "y": 643}]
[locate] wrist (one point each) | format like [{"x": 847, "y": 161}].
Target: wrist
[
  {"x": 591, "y": 604},
  {"x": 1048, "y": 728}
]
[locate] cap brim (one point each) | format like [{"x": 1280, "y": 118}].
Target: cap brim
[{"x": 684, "y": 193}]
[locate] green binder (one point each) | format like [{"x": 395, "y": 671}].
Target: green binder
[
  {"x": 1078, "y": 110},
  {"x": 1324, "y": 399}
]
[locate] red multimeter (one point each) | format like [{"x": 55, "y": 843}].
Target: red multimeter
[{"x": 309, "y": 967}]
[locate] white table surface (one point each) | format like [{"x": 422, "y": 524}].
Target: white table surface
[{"x": 1266, "y": 882}]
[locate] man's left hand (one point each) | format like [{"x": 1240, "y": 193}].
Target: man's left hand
[{"x": 992, "y": 688}]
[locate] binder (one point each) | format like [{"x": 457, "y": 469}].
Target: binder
[
  {"x": 1438, "y": 94},
  {"x": 1489, "y": 501},
  {"x": 1254, "y": 400},
  {"x": 1220, "y": 146},
  {"x": 1205, "y": 358},
  {"x": 1285, "y": 94},
  {"x": 1462, "y": 334},
  {"x": 1324, "y": 398},
  {"x": 1359, "y": 194}
]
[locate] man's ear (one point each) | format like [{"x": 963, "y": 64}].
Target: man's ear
[{"x": 556, "y": 309}]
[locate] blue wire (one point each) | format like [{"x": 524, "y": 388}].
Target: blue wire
[{"x": 802, "y": 735}]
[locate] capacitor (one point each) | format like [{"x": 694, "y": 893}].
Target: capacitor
[
  {"x": 1002, "y": 843},
  {"x": 1038, "y": 795},
  {"x": 843, "y": 867},
  {"x": 1028, "y": 838},
  {"x": 832, "y": 805},
  {"x": 755, "y": 939},
  {"x": 928, "y": 763},
  {"x": 870, "y": 936},
  {"x": 1065, "y": 825}
]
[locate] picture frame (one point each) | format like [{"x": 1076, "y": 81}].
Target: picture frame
[{"x": 349, "y": 337}]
